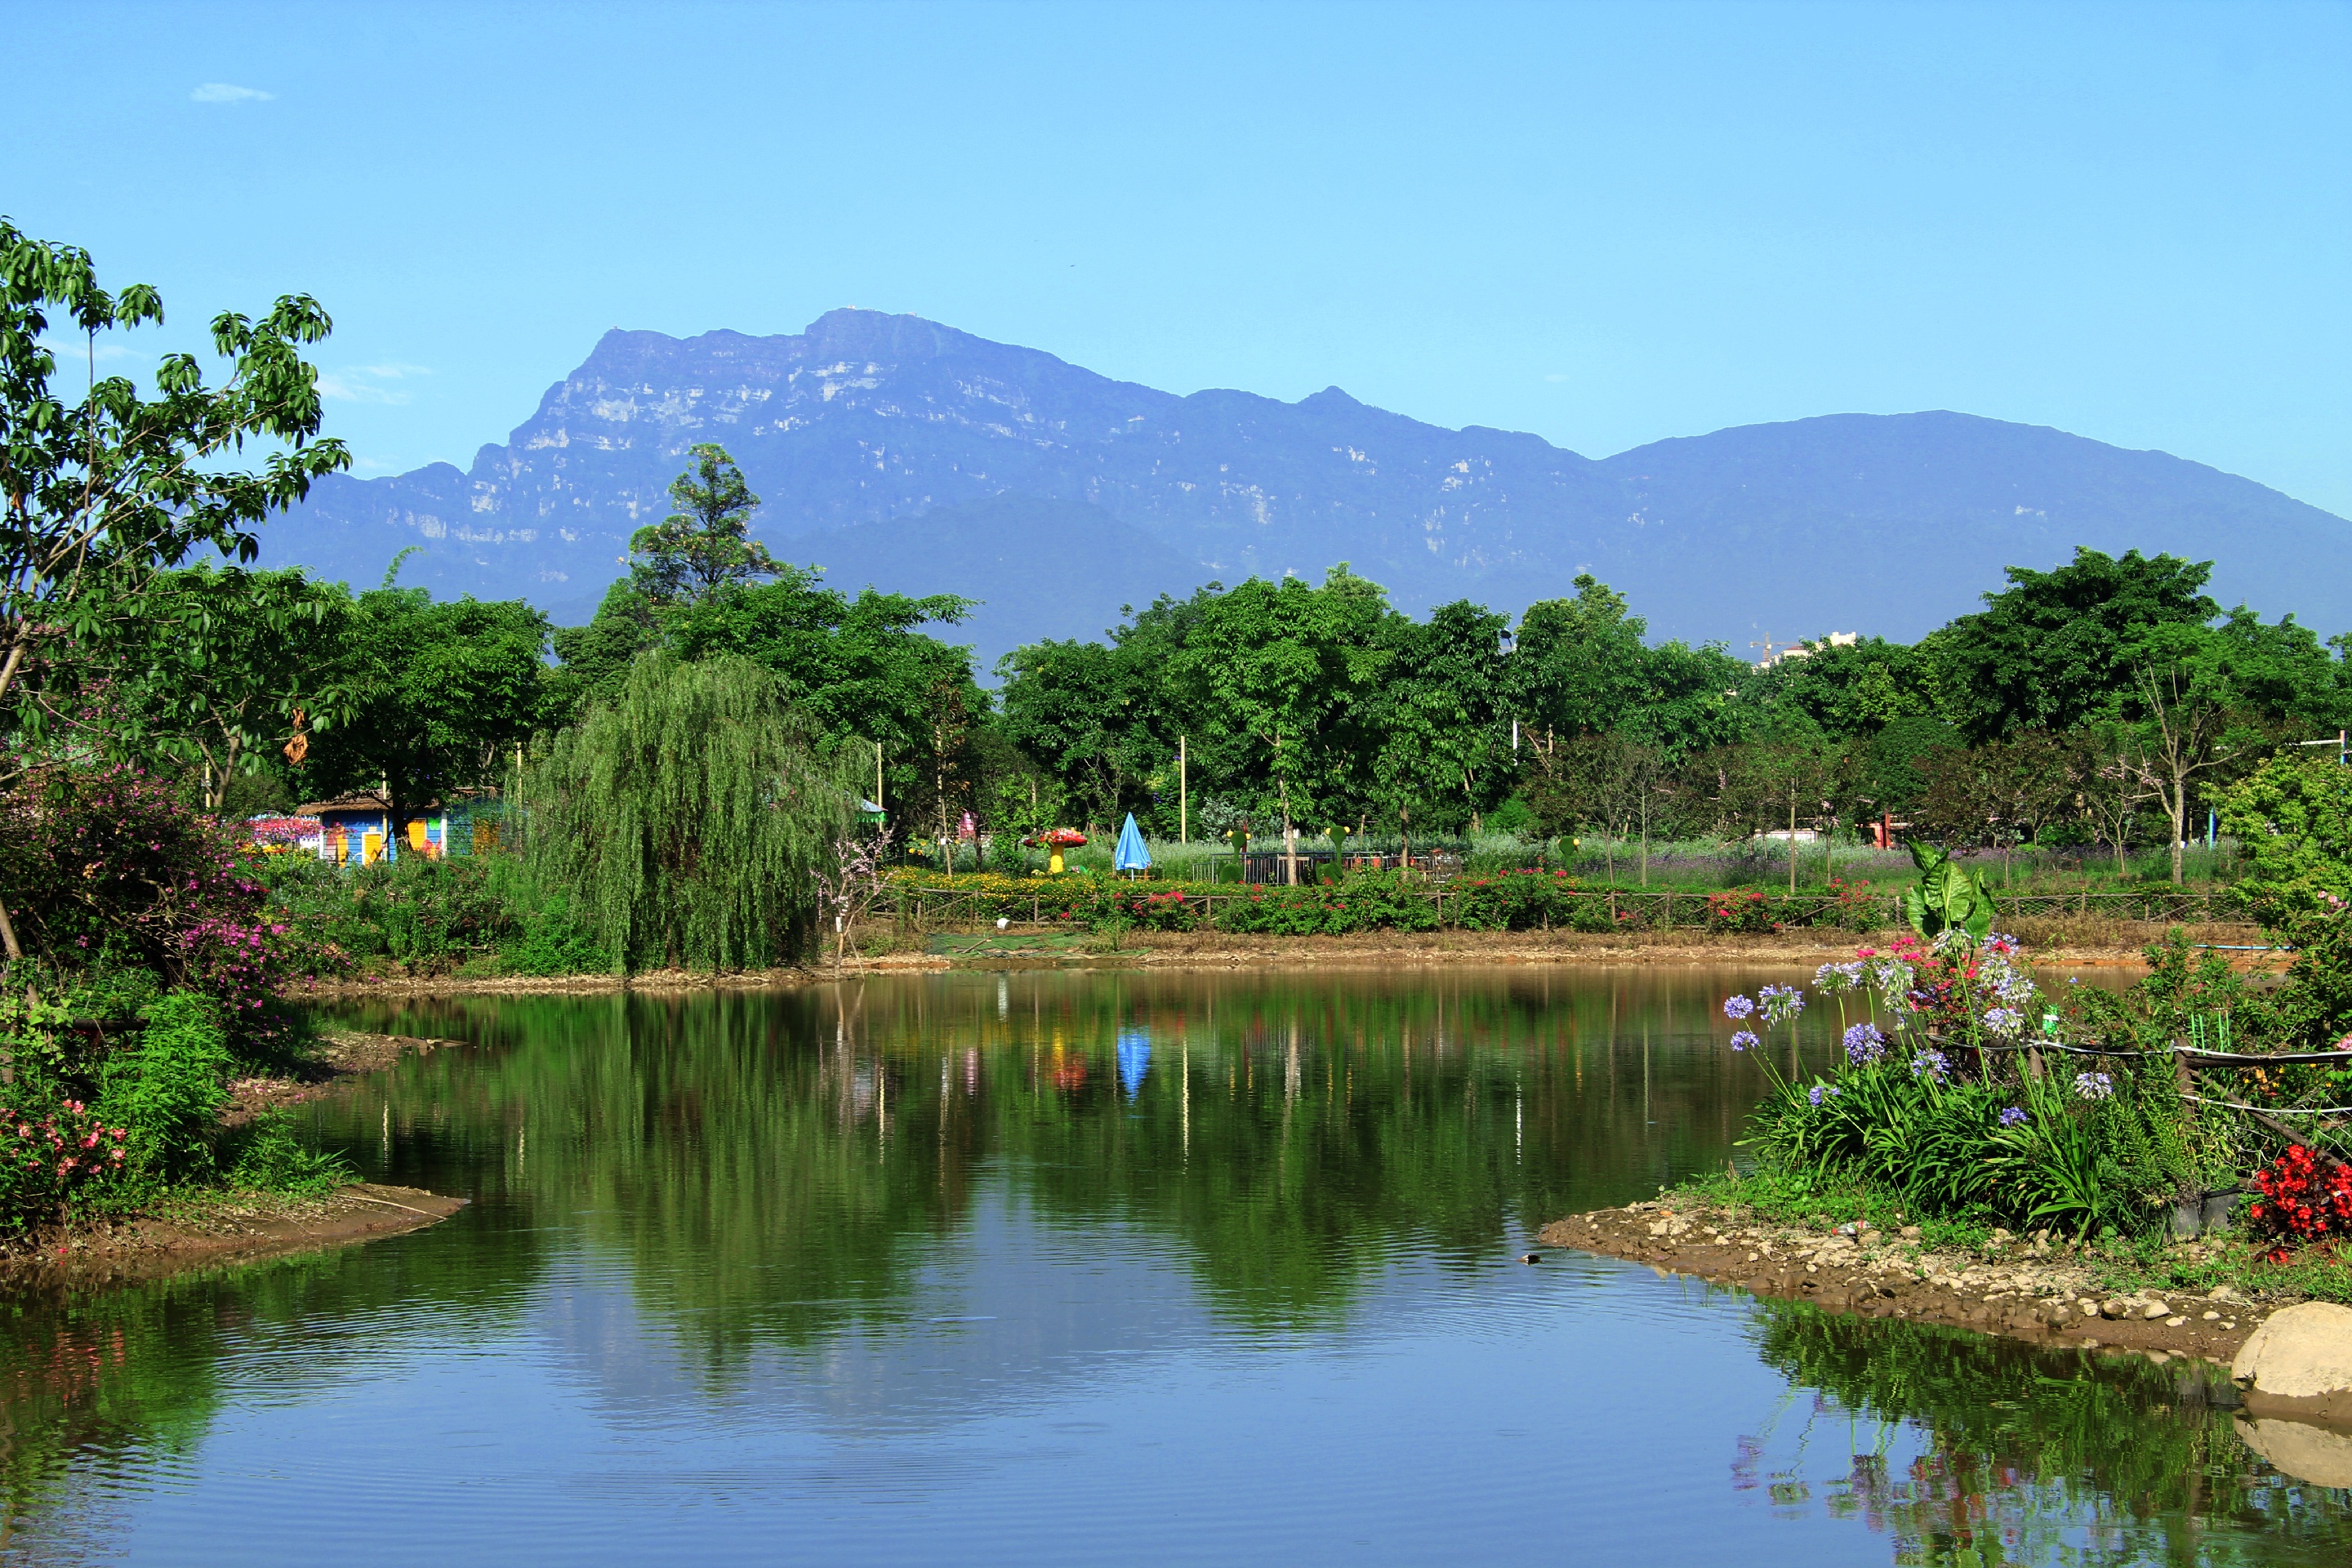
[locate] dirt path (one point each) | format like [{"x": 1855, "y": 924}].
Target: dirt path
[{"x": 2027, "y": 1288}]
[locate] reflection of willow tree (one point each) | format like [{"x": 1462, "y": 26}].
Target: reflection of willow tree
[
  {"x": 97, "y": 1383},
  {"x": 717, "y": 1143},
  {"x": 2040, "y": 1457},
  {"x": 782, "y": 1166}
]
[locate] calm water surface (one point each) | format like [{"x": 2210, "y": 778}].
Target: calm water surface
[{"x": 1076, "y": 1268}]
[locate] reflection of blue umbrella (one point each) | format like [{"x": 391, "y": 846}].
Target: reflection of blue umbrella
[
  {"x": 1131, "y": 855},
  {"x": 1134, "y": 1055}
]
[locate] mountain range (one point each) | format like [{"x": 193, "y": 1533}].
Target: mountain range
[{"x": 905, "y": 455}]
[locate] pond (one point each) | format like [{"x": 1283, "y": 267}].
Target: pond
[{"x": 1092, "y": 1267}]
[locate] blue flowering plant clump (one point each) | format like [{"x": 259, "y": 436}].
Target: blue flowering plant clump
[{"x": 1949, "y": 1086}]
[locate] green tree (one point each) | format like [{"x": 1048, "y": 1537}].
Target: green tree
[
  {"x": 2056, "y": 649},
  {"x": 686, "y": 818},
  {"x": 1606, "y": 781},
  {"x": 221, "y": 668},
  {"x": 859, "y": 668},
  {"x": 1084, "y": 715},
  {"x": 1579, "y": 664},
  {"x": 1688, "y": 700},
  {"x": 2004, "y": 792},
  {"x": 438, "y": 695},
  {"x": 2293, "y": 820},
  {"x": 2206, "y": 701},
  {"x": 1851, "y": 689},
  {"x": 97, "y": 495},
  {"x": 705, "y": 545},
  {"x": 1282, "y": 675},
  {"x": 1440, "y": 711}
]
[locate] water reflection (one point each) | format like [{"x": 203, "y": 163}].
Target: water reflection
[
  {"x": 1961, "y": 1448},
  {"x": 1288, "y": 1133},
  {"x": 942, "y": 1243}
]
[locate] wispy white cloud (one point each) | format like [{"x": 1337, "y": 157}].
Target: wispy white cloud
[
  {"x": 74, "y": 350},
  {"x": 228, "y": 92},
  {"x": 369, "y": 382}
]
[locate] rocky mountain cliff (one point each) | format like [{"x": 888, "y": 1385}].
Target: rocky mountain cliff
[{"x": 905, "y": 454}]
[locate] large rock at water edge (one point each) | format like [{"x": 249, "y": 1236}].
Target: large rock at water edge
[{"x": 2300, "y": 1360}]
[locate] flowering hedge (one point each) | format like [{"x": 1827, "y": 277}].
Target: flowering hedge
[
  {"x": 1380, "y": 901},
  {"x": 106, "y": 868}
]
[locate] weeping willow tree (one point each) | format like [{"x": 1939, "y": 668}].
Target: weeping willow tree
[{"x": 687, "y": 815}]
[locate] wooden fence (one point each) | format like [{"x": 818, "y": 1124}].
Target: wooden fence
[{"x": 927, "y": 909}]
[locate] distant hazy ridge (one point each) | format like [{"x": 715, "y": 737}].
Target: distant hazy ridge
[{"x": 913, "y": 456}]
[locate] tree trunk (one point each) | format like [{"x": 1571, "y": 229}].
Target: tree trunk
[
  {"x": 1645, "y": 837},
  {"x": 1792, "y": 840},
  {"x": 1290, "y": 843},
  {"x": 2175, "y": 808}
]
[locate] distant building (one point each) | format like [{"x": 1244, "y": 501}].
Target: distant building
[{"x": 1802, "y": 649}]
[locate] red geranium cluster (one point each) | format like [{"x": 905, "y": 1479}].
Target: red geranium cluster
[{"x": 2304, "y": 1199}]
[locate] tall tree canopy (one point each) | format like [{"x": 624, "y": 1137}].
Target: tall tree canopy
[
  {"x": 2055, "y": 648},
  {"x": 437, "y": 695},
  {"x": 705, "y": 545}
]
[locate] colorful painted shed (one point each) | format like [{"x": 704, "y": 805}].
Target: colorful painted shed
[{"x": 358, "y": 829}]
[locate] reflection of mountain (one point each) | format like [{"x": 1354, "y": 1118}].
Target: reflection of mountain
[{"x": 2023, "y": 1444}]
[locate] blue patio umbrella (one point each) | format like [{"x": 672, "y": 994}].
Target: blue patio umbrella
[
  {"x": 1131, "y": 855},
  {"x": 1134, "y": 1058}
]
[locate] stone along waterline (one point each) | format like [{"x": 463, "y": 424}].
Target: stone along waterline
[{"x": 981, "y": 1268}]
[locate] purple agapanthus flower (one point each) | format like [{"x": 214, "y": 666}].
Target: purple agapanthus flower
[
  {"x": 2094, "y": 1085},
  {"x": 1864, "y": 1045},
  {"x": 1929, "y": 1064},
  {"x": 2011, "y": 1116},
  {"x": 1737, "y": 1008},
  {"x": 2005, "y": 1021},
  {"x": 1743, "y": 1040},
  {"x": 1780, "y": 1003},
  {"x": 1820, "y": 1092}
]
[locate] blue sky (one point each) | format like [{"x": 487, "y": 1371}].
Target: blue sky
[{"x": 1604, "y": 224}]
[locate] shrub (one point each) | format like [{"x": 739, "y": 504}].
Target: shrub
[
  {"x": 106, "y": 869},
  {"x": 1738, "y": 910},
  {"x": 52, "y": 1156},
  {"x": 275, "y": 1159},
  {"x": 1934, "y": 1101},
  {"x": 168, "y": 1089}
]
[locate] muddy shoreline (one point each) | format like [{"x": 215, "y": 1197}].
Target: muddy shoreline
[
  {"x": 221, "y": 1229},
  {"x": 2110, "y": 946},
  {"x": 2023, "y": 1287}
]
